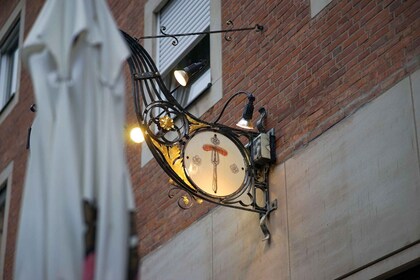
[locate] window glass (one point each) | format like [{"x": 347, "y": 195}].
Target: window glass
[
  {"x": 13, "y": 86},
  {"x": 9, "y": 59}
]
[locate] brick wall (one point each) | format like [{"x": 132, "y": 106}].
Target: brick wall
[{"x": 308, "y": 73}]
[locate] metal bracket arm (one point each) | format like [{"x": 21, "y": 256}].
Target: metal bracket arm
[{"x": 256, "y": 27}]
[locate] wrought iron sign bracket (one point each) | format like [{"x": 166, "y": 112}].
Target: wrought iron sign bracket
[
  {"x": 257, "y": 27},
  {"x": 207, "y": 160},
  {"x": 146, "y": 75}
]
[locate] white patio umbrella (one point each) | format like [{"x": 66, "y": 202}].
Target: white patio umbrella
[{"x": 77, "y": 195}]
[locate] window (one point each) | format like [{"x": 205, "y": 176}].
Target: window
[
  {"x": 9, "y": 59},
  {"x": 3, "y": 192},
  {"x": 197, "y": 96},
  {"x": 183, "y": 16},
  {"x": 5, "y": 188}
]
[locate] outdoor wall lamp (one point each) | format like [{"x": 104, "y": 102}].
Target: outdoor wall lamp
[
  {"x": 208, "y": 160},
  {"x": 184, "y": 75},
  {"x": 246, "y": 121},
  {"x": 136, "y": 135}
]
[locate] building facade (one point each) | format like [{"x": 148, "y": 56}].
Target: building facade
[{"x": 340, "y": 80}]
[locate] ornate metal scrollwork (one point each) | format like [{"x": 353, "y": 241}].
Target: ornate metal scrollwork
[
  {"x": 227, "y": 37},
  {"x": 169, "y": 127},
  {"x": 185, "y": 201},
  {"x": 165, "y": 123},
  {"x": 175, "y": 39}
]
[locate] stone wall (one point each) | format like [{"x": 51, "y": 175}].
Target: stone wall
[{"x": 348, "y": 207}]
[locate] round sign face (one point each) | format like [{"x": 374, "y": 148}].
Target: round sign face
[{"x": 215, "y": 164}]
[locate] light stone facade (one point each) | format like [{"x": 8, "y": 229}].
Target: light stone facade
[{"x": 348, "y": 207}]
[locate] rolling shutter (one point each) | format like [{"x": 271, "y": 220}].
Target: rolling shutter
[{"x": 180, "y": 16}]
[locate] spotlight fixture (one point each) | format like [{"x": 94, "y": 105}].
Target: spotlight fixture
[
  {"x": 246, "y": 121},
  {"x": 184, "y": 75}
]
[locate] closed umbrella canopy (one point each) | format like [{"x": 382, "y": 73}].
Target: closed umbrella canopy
[{"x": 77, "y": 196}]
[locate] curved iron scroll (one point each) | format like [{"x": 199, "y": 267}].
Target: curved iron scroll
[{"x": 168, "y": 126}]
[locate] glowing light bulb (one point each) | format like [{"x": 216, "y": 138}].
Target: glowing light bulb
[{"x": 136, "y": 135}]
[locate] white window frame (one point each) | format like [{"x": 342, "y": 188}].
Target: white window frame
[
  {"x": 6, "y": 30},
  {"x": 317, "y": 6},
  {"x": 5, "y": 177},
  {"x": 214, "y": 93}
]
